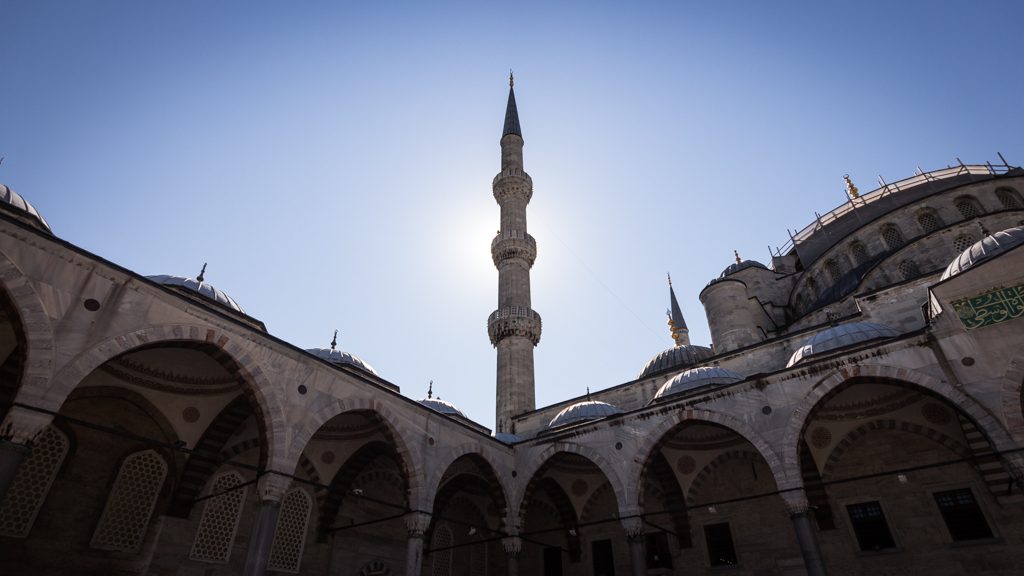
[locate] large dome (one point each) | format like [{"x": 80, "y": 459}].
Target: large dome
[
  {"x": 15, "y": 200},
  {"x": 583, "y": 412},
  {"x": 988, "y": 247},
  {"x": 676, "y": 358},
  {"x": 335, "y": 356},
  {"x": 199, "y": 287},
  {"x": 839, "y": 337},
  {"x": 695, "y": 378},
  {"x": 734, "y": 268}
]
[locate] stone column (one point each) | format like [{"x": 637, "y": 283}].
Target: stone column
[
  {"x": 634, "y": 527},
  {"x": 20, "y": 427},
  {"x": 271, "y": 487},
  {"x": 417, "y": 524},
  {"x": 513, "y": 545},
  {"x": 806, "y": 537}
]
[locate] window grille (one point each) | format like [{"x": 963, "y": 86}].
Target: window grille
[
  {"x": 962, "y": 242},
  {"x": 929, "y": 221},
  {"x": 962, "y": 515},
  {"x": 721, "y": 551},
  {"x": 1009, "y": 198},
  {"x": 870, "y": 527},
  {"x": 834, "y": 269},
  {"x": 27, "y": 492},
  {"x": 130, "y": 504},
  {"x": 290, "y": 534},
  {"x": 442, "y": 553},
  {"x": 219, "y": 522},
  {"x": 892, "y": 237},
  {"x": 908, "y": 269},
  {"x": 968, "y": 207},
  {"x": 859, "y": 253}
]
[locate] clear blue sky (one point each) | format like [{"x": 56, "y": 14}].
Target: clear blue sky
[{"x": 332, "y": 160}]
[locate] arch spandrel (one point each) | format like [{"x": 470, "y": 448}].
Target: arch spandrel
[{"x": 820, "y": 392}]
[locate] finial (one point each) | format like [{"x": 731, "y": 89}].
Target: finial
[
  {"x": 850, "y": 188},
  {"x": 737, "y": 255},
  {"x": 334, "y": 341},
  {"x": 202, "y": 273},
  {"x": 511, "y": 79},
  {"x": 984, "y": 231},
  {"x": 669, "y": 279},
  {"x": 430, "y": 390},
  {"x": 588, "y": 393}
]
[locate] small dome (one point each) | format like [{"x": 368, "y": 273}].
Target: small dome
[
  {"x": 676, "y": 358},
  {"x": 695, "y": 378},
  {"x": 734, "y": 268},
  {"x": 839, "y": 337},
  {"x": 335, "y": 356},
  {"x": 443, "y": 406},
  {"x": 507, "y": 438},
  {"x": 202, "y": 288},
  {"x": 15, "y": 200},
  {"x": 583, "y": 412},
  {"x": 988, "y": 247}
]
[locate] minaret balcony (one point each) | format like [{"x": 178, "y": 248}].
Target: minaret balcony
[
  {"x": 511, "y": 244},
  {"x": 512, "y": 182},
  {"x": 514, "y": 321}
]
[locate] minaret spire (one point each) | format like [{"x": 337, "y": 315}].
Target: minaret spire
[
  {"x": 514, "y": 328},
  {"x": 676, "y": 322}
]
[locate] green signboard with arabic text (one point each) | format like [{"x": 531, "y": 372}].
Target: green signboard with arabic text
[{"x": 991, "y": 307}]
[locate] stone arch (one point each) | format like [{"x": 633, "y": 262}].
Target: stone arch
[
  {"x": 461, "y": 451},
  {"x": 1012, "y": 399},
  {"x": 265, "y": 395},
  {"x": 820, "y": 392},
  {"x": 890, "y": 424},
  {"x": 393, "y": 429},
  {"x": 33, "y": 326},
  {"x": 540, "y": 462},
  {"x": 486, "y": 475},
  {"x": 709, "y": 469},
  {"x": 344, "y": 480},
  {"x": 655, "y": 437}
]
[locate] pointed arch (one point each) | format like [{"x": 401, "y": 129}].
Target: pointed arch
[
  {"x": 471, "y": 470},
  {"x": 709, "y": 469},
  {"x": 444, "y": 463},
  {"x": 343, "y": 482},
  {"x": 852, "y": 436},
  {"x": 541, "y": 462},
  {"x": 32, "y": 325}
]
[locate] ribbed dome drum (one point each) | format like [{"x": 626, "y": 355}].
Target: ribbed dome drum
[
  {"x": 339, "y": 357},
  {"x": 583, "y": 412},
  {"x": 199, "y": 287},
  {"x": 14, "y": 200},
  {"x": 695, "y": 378},
  {"x": 676, "y": 358},
  {"x": 840, "y": 336},
  {"x": 442, "y": 406},
  {"x": 984, "y": 249}
]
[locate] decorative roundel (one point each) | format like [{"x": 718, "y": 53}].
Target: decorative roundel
[
  {"x": 327, "y": 457},
  {"x": 686, "y": 465},
  {"x": 580, "y": 487},
  {"x": 936, "y": 413},
  {"x": 821, "y": 437},
  {"x": 190, "y": 414}
]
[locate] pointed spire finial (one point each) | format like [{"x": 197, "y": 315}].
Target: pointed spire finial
[
  {"x": 334, "y": 341},
  {"x": 511, "y": 79},
  {"x": 511, "y": 112},
  {"x": 588, "y": 393},
  {"x": 430, "y": 390},
  {"x": 676, "y": 322},
  {"x": 736, "y": 253},
  {"x": 669, "y": 279},
  {"x": 202, "y": 273},
  {"x": 851, "y": 190}
]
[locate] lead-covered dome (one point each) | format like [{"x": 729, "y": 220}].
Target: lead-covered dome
[
  {"x": 736, "y": 267},
  {"x": 984, "y": 249},
  {"x": 840, "y": 336},
  {"x": 443, "y": 406},
  {"x": 583, "y": 412},
  {"x": 695, "y": 378},
  {"x": 14, "y": 200},
  {"x": 676, "y": 358},
  {"x": 340, "y": 357},
  {"x": 200, "y": 287}
]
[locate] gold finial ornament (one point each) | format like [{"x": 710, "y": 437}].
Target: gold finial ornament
[
  {"x": 851, "y": 190},
  {"x": 737, "y": 255}
]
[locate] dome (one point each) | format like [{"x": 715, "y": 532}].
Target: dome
[
  {"x": 695, "y": 378},
  {"x": 14, "y": 200},
  {"x": 443, "y": 406},
  {"x": 839, "y": 337},
  {"x": 988, "y": 247},
  {"x": 583, "y": 412},
  {"x": 734, "y": 268},
  {"x": 335, "y": 356},
  {"x": 676, "y": 358},
  {"x": 198, "y": 286}
]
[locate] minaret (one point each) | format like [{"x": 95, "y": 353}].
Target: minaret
[
  {"x": 514, "y": 327},
  {"x": 676, "y": 323}
]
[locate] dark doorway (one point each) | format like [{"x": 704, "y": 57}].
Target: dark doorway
[
  {"x": 552, "y": 561},
  {"x": 604, "y": 560}
]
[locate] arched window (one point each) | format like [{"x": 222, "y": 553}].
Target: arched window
[
  {"x": 26, "y": 494},
  {"x": 908, "y": 269},
  {"x": 219, "y": 522},
  {"x": 968, "y": 207},
  {"x": 892, "y": 237},
  {"x": 443, "y": 554},
  {"x": 859, "y": 253},
  {"x": 834, "y": 269},
  {"x": 1009, "y": 198},
  {"x": 130, "y": 503},
  {"x": 290, "y": 534},
  {"x": 962, "y": 242},
  {"x": 929, "y": 220}
]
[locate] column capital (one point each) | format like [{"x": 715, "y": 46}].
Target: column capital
[
  {"x": 513, "y": 545},
  {"x": 272, "y": 486},
  {"x": 22, "y": 426},
  {"x": 796, "y": 502},
  {"x": 417, "y": 524},
  {"x": 634, "y": 527}
]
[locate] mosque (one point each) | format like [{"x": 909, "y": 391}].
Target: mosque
[{"x": 857, "y": 411}]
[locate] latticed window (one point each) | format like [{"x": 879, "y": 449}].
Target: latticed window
[
  {"x": 962, "y": 242},
  {"x": 290, "y": 534},
  {"x": 929, "y": 221},
  {"x": 834, "y": 269},
  {"x": 442, "y": 565},
  {"x": 1009, "y": 198},
  {"x": 968, "y": 207},
  {"x": 130, "y": 504},
  {"x": 892, "y": 237},
  {"x": 859, "y": 253},
  {"x": 908, "y": 269},
  {"x": 26, "y": 494},
  {"x": 219, "y": 522}
]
